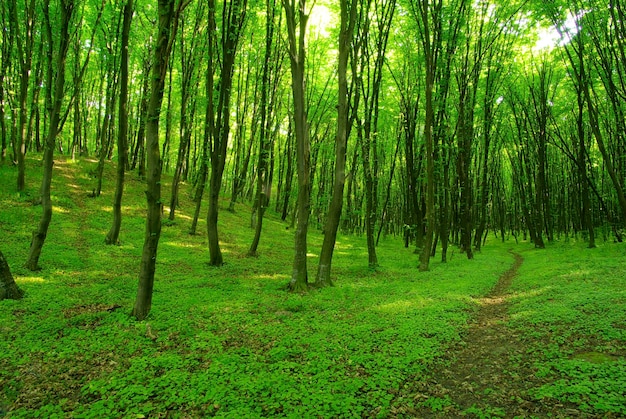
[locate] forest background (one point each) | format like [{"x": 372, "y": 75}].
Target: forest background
[{"x": 430, "y": 123}]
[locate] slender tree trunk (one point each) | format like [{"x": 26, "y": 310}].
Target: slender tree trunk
[
  {"x": 232, "y": 25},
  {"x": 138, "y": 160},
  {"x": 167, "y": 25},
  {"x": 428, "y": 135},
  {"x": 39, "y": 236},
  {"x": 348, "y": 19},
  {"x": 6, "y": 48},
  {"x": 188, "y": 65},
  {"x": 288, "y": 172},
  {"x": 122, "y": 136},
  {"x": 606, "y": 158},
  {"x": 209, "y": 119},
  {"x": 297, "y": 56},
  {"x": 24, "y": 47},
  {"x": 384, "y": 218},
  {"x": 265, "y": 143},
  {"x": 105, "y": 137}
]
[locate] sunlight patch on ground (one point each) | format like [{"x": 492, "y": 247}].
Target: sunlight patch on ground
[
  {"x": 401, "y": 305},
  {"x": 532, "y": 293},
  {"x": 273, "y": 277},
  {"x": 182, "y": 244},
  {"x": 30, "y": 279},
  {"x": 60, "y": 210},
  {"x": 578, "y": 274}
]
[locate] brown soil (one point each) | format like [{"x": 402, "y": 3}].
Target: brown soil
[{"x": 487, "y": 374}]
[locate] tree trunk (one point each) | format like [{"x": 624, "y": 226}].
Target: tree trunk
[
  {"x": 265, "y": 142},
  {"x": 24, "y": 43},
  {"x": 39, "y": 236},
  {"x": 288, "y": 173},
  {"x": 167, "y": 25},
  {"x": 188, "y": 66},
  {"x": 8, "y": 288},
  {"x": 232, "y": 24},
  {"x": 348, "y": 19},
  {"x": 5, "y": 49},
  {"x": 297, "y": 56},
  {"x": 122, "y": 136},
  {"x": 428, "y": 135}
]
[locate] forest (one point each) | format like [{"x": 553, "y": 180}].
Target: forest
[{"x": 351, "y": 208}]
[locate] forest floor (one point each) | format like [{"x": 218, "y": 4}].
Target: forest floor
[{"x": 521, "y": 332}]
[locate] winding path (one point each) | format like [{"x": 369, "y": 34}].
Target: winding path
[{"x": 484, "y": 375}]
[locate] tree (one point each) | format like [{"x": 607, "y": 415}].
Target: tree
[
  {"x": 371, "y": 77},
  {"x": 112, "y": 236},
  {"x": 233, "y": 19},
  {"x": 24, "y": 39},
  {"x": 5, "y": 51},
  {"x": 66, "y": 11},
  {"x": 268, "y": 103},
  {"x": 189, "y": 61},
  {"x": 346, "y": 34},
  {"x": 168, "y": 13},
  {"x": 421, "y": 12},
  {"x": 296, "y": 31}
]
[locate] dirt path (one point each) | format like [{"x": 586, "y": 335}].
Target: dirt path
[{"x": 485, "y": 375}]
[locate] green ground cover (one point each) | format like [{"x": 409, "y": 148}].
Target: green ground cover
[
  {"x": 570, "y": 305},
  {"x": 231, "y": 342}
]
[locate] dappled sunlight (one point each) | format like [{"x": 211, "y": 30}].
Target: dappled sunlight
[
  {"x": 179, "y": 214},
  {"x": 530, "y": 293},
  {"x": 182, "y": 245},
  {"x": 59, "y": 210},
  {"x": 272, "y": 277},
  {"x": 401, "y": 306},
  {"x": 30, "y": 280},
  {"x": 577, "y": 274}
]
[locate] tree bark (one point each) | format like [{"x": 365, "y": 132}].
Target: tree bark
[
  {"x": 188, "y": 66},
  {"x": 24, "y": 43},
  {"x": 39, "y": 236},
  {"x": 112, "y": 236},
  {"x": 428, "y": 135},
  {"x": 167, "y": 25},
  {"x": 232, "y": 24},
  {"x": 348, "y": 19},
  {"x": 8, "y": 288},
  {"x": 297, "y": 56},
  {"x": 265, "y": 142}
]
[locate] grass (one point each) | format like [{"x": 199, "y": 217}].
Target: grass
[
  {"x": 231, "y": 342},
  {"x": 571, "y": 304}
]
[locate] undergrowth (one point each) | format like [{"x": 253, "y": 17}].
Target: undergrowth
[
  {"x": 231, "y": 342},
  {"x": 569, "y": 302}
]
